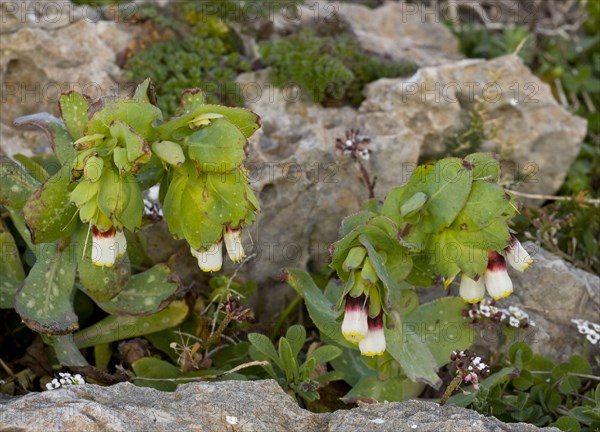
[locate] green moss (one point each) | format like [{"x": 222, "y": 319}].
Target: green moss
[
  {"x": 194, "y": 61},
  {"x": 331, "y": 70}
]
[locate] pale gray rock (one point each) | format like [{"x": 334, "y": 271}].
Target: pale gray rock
[
  {"x": 39, "y": 62},
  {"x": 395, "y": 30},
  {"x": 225, "y": 406},
  {"x": 534, "y": 134},
  {"x": 554, "y": 292},
  {"x": 306, "y": 187},
  {"x": 401, "y": 31}
]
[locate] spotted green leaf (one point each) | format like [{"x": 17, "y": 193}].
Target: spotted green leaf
[
  {"x": 48, "y": 212},
  {"x": 16, "y": 184},
  {"x": 144, "y": 293},
  {"x": 74, "y": 111},
  {"x": 45, "y": 301}
]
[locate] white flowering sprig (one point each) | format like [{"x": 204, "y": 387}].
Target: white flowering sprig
[
  {"x": 65, "y": 379},
  {"x": 485, "y": 310},
  {"x": 589, "y": 329},
  {"x": 470, "y": 368}
]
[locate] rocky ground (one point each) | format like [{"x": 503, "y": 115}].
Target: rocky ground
[{"x": 243, "y": 406}]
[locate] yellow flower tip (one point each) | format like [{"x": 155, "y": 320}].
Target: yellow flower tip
[
  {"x": 372, "y": 354},
  {"x": 527, "y": 265},
  {"x": 473, "y": 301},
  {"x": 354, "y": 337},
  {"x": 504, "y": 295},
  {"x": 104, "y": 264}
]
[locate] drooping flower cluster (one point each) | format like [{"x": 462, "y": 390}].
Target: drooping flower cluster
[
  {"x": 487, "y": 310},
  {"x": 470, "y": 367},
  {"x": 363, "y": 314},
  {"x": 64, "y": 380},
  {"x": 495, "y": 279},
  {"x": 589, "y": 329}
]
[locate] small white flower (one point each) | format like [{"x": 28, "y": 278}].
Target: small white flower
[
  {"x": 107, "y": 246},
  {"x": 497, "y": 281},
  {"x": 374, "y": 343},
  {"x": 210, "y": 260},
  {"x": 470, "y": 290},
  {"x": 355, "y": 325},
  {"x": 485, "y": 311},
  {"x": 583, "y": 329},
  {"x": 517, "y": 256},
  {"x": 514, "y": 322},
  {"x": 233, "y": 244},
  {"x": 593, "y": 337}
]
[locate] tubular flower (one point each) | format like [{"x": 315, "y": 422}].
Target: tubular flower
[
  {"x": 107, "y": 246},
  {"x": 355, "y": 326},
  {"x": 497, "y": 281},
  {"x": 472, "y": 291},
  {"x": 517, "y": 256},
  {"x": 233, "y": 244},
  {"x": 210, "y": 260},
  {"x": 374, "y": 343}
]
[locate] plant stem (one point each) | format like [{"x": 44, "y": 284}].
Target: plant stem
[{"x": 451, "y": 387}]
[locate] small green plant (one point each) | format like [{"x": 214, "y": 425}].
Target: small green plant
[
  {"x": 328, "y": 69},
  {"x": 528, "y": 387},
  {"x": 190, "y": 62},
  {"x": 432, "y": 229},
  {"x": 300, "y": 379},
  {"x": 74, "y": 219}
]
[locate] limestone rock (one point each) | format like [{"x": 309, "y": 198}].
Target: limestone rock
[
  {"x": 554, "y": 292},
  {"x": 401, "y": 31},
  {"x": 305, "y": 186},
  {"x": 224, "y": 406},
  {"x": 534, "y": 134},
  {"x": 38, "y": 62}
]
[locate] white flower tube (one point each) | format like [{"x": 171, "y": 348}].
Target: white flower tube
[
  {"x": 470, "y": 290},
  {"x": 233, "y": 244},
  {"x": 210, "y": 260},
  {"x": 107, "y": 246},
  {"x": 374, "y": 343},
  {"x": 497, "y": 281},
  {"x": 355, "y": 325},
  {"x": 517, "y": 256}
]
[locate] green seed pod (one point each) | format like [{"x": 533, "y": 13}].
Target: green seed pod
[
  {"x": 368, "y": 272},
  {"x": 359, "y": 286},
  {"x": 354, "y": 258},
  {"x": 88, "y": 211},
  {"x": 169, "y": 151},
  {"x": 93, "y": 168},
  {"x": 374, "y": 301},
  {"x": 83, "y": 192},
  {"x": 81, "y": 159}
]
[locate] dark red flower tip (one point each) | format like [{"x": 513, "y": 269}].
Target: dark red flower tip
[
  {"x": 356, "y": 303},
  {"x": 496, "y": 262},
  {"x": 376, "y": 323},
  {"x": 97, "y": 233}
]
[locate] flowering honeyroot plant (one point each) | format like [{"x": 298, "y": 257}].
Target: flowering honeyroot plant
[
  {"x": 76, "y": 220},
  {"x": 449, "y": 220}
]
